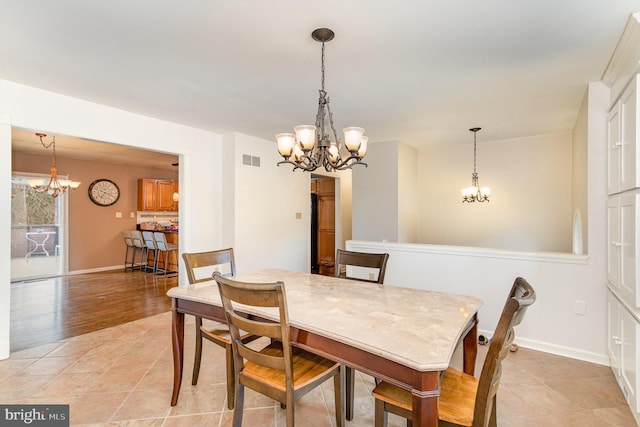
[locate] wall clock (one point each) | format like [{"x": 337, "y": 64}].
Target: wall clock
[{"x": 104, "y": 192}]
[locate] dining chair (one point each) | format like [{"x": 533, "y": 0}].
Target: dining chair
[
  {"x": 464, "y": 399},
  {"x": 278, "y": 370},
  {"x": 345, "y": 260},
  {"x": 200, "y": 266}
]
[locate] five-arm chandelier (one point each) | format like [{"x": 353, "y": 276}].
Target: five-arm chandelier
[
  {"x": 52, "y": 185},
  {"x": 311, "y": 147},
  {"x": 475, "y": 193}
]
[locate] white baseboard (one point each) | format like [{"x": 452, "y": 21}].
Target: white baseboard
[
  {"x": 559, "y": 350},
  {"x": 96, "y": 270}
]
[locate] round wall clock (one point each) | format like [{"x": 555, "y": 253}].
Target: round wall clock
[{"x": 104, "y": 192}]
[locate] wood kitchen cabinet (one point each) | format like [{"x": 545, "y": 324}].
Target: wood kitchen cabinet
[
  {"x": 325, "y": 188},
  {"x": 157, "y": 195}
]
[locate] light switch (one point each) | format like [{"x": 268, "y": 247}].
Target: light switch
[
  {"x": 132, "y": 214},
  {"x": 298, "y": 215}
]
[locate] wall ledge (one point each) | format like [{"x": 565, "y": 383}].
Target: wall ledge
[{"x": 468, "y": 251}]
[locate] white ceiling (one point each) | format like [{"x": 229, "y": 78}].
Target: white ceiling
[{"x": 417, "y": 71}]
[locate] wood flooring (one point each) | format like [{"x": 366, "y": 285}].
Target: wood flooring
[{"x": 48, "y": 310}]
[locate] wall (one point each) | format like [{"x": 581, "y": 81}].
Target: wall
[
  {"x": 579, "y": 176},
  {"x": 267, "y": 233},
  {"x": 31, "y": 108},
  {"x": 95, "y": 234},
  {"x": 407, "y": 194},
  {"x": 530, "y": 207},
  {"x": 563, "y": 281}
]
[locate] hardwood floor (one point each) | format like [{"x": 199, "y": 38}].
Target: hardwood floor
[{"x": 48, "y": 310}]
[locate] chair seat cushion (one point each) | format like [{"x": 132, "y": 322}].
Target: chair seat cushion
[
  {"x": 307, "y": 367},
  {"x": 455, "y": 404}
]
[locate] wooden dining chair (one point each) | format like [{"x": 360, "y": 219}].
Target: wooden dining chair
[
  {"x": 464, "y": 399},
  {"x": 346, "y": 259},
  {"x": 278, "y": 370},
  {"x": 200, "y": 266}
]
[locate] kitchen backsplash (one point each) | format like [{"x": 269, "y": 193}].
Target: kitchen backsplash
[{"x": 146, "y": 216}]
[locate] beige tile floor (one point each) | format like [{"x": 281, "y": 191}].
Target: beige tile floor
[{"x": 123, "y": 376}]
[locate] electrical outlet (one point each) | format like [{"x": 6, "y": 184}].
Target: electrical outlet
[
  {"x": 298, "y": 215},
  {"x": 118, "y": 214},
  {"x": 372, "y": 276},
  {"x": 580, "y": 307}
]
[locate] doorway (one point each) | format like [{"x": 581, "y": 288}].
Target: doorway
[
  {"x": 323, "y": 224},
  {"x": 37, "y": 231}
]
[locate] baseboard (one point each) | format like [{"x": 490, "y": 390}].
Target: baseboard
[
  {"x": 96, "y": 270},
  {"x": 559, "y": 350}
]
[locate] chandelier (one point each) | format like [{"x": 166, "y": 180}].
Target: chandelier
[
  {"x": 311, "y": 146},
  {"x": 475, "y": 193},
  {"x": 52, "y": 185}
]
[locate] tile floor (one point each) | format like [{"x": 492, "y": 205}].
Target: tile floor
[{"x": 123, "y": 376}]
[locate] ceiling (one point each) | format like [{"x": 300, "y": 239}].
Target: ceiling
[{"x": 418, "y": 71}]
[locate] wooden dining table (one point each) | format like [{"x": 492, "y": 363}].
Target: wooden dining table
[{"x": 401, "y": 335}]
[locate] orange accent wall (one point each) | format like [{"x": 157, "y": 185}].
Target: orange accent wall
[{"x": 95, "y": 234}]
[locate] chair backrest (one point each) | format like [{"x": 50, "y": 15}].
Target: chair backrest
[
  {"x": 137, "y": 239},
  {"x": 149, "y": 240},
  {"x": 201, "y": 265},
  {"x": 233, "y": 292},
  {"x": 522, "y": 295},
  {"x": 161, "y": 241},
  {"x": 361, "y": 259},
  {"x": 127, "y": 238}
]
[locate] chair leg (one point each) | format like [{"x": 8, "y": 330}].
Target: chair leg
[
  {"x": 238, "y": 406},
  {"x": 350, "y": 377},
  {"x": 231, "y": 381},
  {"x": 493, "y": 419},
  {"x": 291, "y": 421},
  {"x": 380, "y": 416},
  {"x": 198, "y": 355}
]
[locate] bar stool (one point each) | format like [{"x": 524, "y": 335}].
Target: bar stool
[
  {"x": 138, "y": 243},
  {"x": 130, "y": 248},
  {"x": 164, "y": 246},
  {"x": 150, "y": 245}
]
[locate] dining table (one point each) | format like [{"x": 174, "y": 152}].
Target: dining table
[{"x": 401, "y": 335}]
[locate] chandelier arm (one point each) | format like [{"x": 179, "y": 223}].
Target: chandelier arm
[{"x": 347, "y": 163}]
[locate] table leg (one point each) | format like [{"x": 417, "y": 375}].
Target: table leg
[
  {"x": 350, "y": 375},
  {"x": 425, "y": 411},
  {"x": 470, "y": 349},
  {"x": 177, "y": 339}
]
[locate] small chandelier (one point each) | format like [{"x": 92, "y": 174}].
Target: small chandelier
[
  {"x": 475, "y": 193},
  {"x": 52, "y": 185},
  {"x": 310, "y": 147}
]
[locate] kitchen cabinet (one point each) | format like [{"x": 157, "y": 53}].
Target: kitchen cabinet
[
  {"x": 157, "y": 195},
  {"x": 325, "y": 188}
]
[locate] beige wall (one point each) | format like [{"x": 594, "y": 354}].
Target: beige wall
[
  {"x": 531, "y": 193},
  {"x": 95, "y": 240}
]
